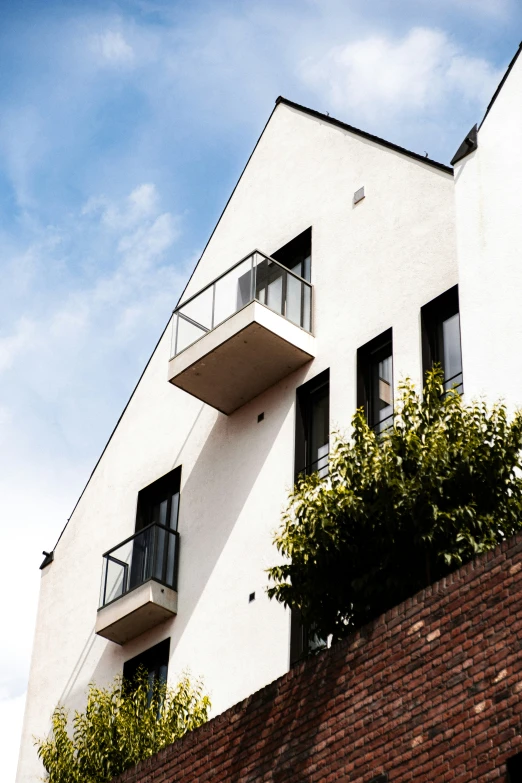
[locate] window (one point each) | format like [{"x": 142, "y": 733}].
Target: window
[
  {"x": 303, "y": 640},
  {"x": 312, "y": 431},
  {"x": 375, "y": 381},
  {"x": 154, "y": 662},
  {"x": 155, "y": 552},
  {"x": 514, "y": 769},
  {"x": 296, "y": 255},
  {"x": 159, "y": 502},
  {"x": 441, "y": 338},
  {"x": 285, "y": 293}
]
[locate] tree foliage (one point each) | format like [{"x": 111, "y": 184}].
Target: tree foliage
[
  {"x": 121, "y": 725},
  {"x": 399, "y": 510}
]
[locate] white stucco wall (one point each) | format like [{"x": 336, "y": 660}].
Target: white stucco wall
[
  {"x": 373, "y": 266},
  {"x": 488, "y": 192}
]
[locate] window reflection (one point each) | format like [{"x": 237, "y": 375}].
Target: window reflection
[
  {"x": 375, "y": 381},
  {"x": 441, "y": 338}
]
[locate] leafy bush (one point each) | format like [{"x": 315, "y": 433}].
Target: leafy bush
[
  {"x": 120, "y": 726},
  {"x": 399, "y": 510}
]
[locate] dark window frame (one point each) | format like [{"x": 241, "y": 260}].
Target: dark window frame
[
  {"x": 297, "y": 251},
  {"x": 303, "y": 641},
  {"x": 167, "y": 487},
  {"x": 154, "y": 661},
  {"x": 368, "y": 357},
  {"x": 433, "y": 315},
  {"x": 303, "y": 458}
]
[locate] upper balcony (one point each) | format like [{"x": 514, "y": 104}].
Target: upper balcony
[
  {"x": 243, "y": 333},
  {"x": 138, "y": 589}
]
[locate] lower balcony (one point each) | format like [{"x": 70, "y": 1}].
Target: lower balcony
[
  {"x": 243, "y": 333},
  {"x": 139, "y": 584}
]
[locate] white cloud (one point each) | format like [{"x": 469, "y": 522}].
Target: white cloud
[
  {"x": 398, "y": 75},
  {"x": 112, "y": 48}
]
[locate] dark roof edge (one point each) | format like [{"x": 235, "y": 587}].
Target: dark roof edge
[
  {"x": 369, "y": 136},
  {"x": 112, "y": 434},
  {"x": 469, "y": 144},
  {"x": 501, "y": 84},
  {"x": 226, "y": 205}
]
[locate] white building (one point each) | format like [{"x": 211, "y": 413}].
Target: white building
[{"x": 339, "y": 265}]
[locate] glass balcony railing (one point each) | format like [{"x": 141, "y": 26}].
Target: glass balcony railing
[
  {"x": 256, "y": 278},
  {"x": 152, "y": 553}
]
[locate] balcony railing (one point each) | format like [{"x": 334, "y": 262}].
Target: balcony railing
[
  {"x": 256, "y": 278},
  {"x": 152, "y": 553}
]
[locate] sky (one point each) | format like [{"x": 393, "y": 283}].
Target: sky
[{"x": 123, "y": 129}]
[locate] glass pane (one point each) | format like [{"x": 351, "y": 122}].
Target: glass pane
[
  {"x": 233, "y": 291},
  {"x": 306, "y": 268},
  {"x": 307, "y": 308},
  {"x": 187, "y": 334},
  {"x": 381, "y": 409},
  {"x": 174, "y": 511},
  {"x": 297, "y": 269},
  {"x": 451, "y": 349},
  {"x": 116, "y": 572},
  {"x": 274, "y": 293},
  {"x": 115, "y": 580},
  {"x": 319, "y": 431},
  {"x": 141, "y": 565},
  {"x": 171, "y": 561},
  {"x": 159, "y": 512},
  {"x": 159, "y": 554},
  {"x": 200, "y": 308},
  {"x": 269, "y": 285},
  {"x": 293, "y": 299}
]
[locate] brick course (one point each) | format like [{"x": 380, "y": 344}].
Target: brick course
[{"x": 430, "y": 691}]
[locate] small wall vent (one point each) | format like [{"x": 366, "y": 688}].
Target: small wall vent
[{"x": 358, "y": 195}]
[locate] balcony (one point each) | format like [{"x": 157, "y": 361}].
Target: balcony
[
  {"x": 139, "y": 584},
  {"x": 242, "y": 334}
]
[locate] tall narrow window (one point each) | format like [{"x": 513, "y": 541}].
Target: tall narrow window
[
  {"x": 303, "y": 641},
  {"x": 375, "y": 381},
  {"x": 312, "y": 432},
  {"x": 284, "y": 293},
  {"x": 155, "y": 553},
  {"x": 441, "y": 338},
  {"x": 154, "y": 663},
  {"x": 159, "y": 502},
  {"x": 296, "y": 255}
]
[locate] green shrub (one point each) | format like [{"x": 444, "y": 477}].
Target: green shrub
[
  {"x": 121, "y": 725},
  {"x": 399, "y": 510}
]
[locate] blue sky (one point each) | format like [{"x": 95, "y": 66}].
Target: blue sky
[{"x": 123, "y": 128}]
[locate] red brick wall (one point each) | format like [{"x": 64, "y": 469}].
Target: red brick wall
[{"x": 431, "y": 691}]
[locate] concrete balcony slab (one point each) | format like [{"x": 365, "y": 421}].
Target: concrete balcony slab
[
  {"x": 136, "y": 612},
  {"x": 242, "y": 357}
]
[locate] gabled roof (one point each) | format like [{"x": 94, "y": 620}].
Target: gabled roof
[
  {"x": 369, "y": 136},
  {"x": 332, "y": 121},
  {"x": 312, "y": 113}
]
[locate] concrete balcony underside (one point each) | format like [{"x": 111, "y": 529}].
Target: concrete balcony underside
[
  {"x": 136, "y": 612},
  {"x": 242, "y": 357}
]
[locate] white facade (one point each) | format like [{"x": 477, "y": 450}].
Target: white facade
[{"x": 374, "y": 265}]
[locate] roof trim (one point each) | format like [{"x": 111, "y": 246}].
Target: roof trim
[
  {"x": 469, "y": 144},
  {"x": 110, "y": 437},
  {"x": 501, "y": 84},
  {"x": 369, "y": 136}
]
